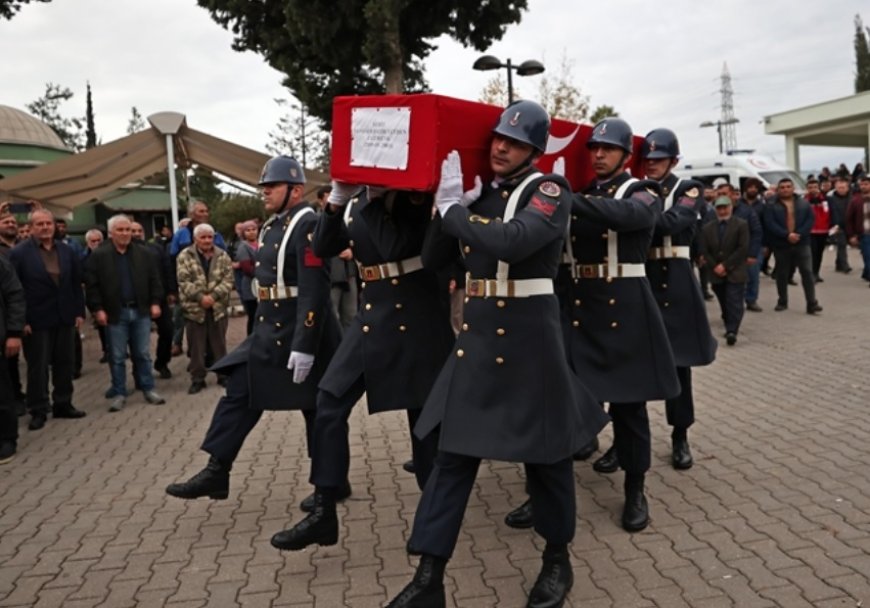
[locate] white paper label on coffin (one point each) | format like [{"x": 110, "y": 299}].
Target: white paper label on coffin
[{"x": 379, "y": 137}]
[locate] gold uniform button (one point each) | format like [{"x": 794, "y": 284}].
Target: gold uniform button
[
  {"x": 363, "y": 285},
  {"x": 499, "y": 331},
  {"x": 460, "y": 353},
  {"x": 604, "y": 235},
  {"x": 278, "y": 325},
  {"x": 611, "y": 301},
  {"x": 466, "y": 249},
  {"x": 394, "y": 281},
  {"x": 399, "y": 306},
  {"x": 350, "y": 220},
  {"x": 667, "y": 304},
  {"x": 262, "y": 318},
  {"x": 276, "y": 246},
  {"x": 350, "y": 243},
  {"x": 465, "y": 327},
  {"x": 614, "y": 325},
  {"x": 574, "y": 217},
  {"x": 368, "y": 306},
  {"x": 402, "y": 328},
  {"x": 278, "y": 342},
  {"x": 467, "y": 299},
  {"x": 575, "y": 323},
  {"x": 275, "y": 304},
  {"x": 577, "y": 302},
  {"x": 664, "y": 266},
  {"x": 499, "y": 360},
  {"x": 500, "y": 303},
  {"x": 504, "y": 194},
  {"x": 366, "y": 329},
  {"x": 664, "y": 285},
  {"x": 609, "y": 279},
  {"x": 573, "y": 239}
]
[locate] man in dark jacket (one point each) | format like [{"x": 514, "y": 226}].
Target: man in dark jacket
[
  {"x": 788, "y": 222},
  {"x": 838, "y": 200},
  {"x": 724, "y": 244},
  {"x": 51, "y": 275},
  {"x": 124, "y": 294},
  {"x": 756, "y": 232},
  {"x": 11, "y": 327}
]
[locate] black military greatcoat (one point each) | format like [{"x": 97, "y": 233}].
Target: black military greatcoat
[
  {"x": 401, "y": 334},
  {"x": 305, "y": 323},
  {"x": 616, "y": 337},
  {"x": 506, "y": 392},
  {"x": 673, "y": 281}
]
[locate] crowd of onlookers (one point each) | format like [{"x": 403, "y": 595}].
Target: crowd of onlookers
[
  {"x": 786, "y": 233},
  {"x": 180, "y": 283}
]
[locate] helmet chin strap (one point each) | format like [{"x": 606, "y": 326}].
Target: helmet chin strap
[
  {"x": 286, "y": 199},
  {"x": 523, "y": 166},
  {"x": 620, "y": 167}
]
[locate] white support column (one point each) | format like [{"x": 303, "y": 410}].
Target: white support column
[
  {"x": 173, "y": 191},
  {"x": 792, "y": 153}
]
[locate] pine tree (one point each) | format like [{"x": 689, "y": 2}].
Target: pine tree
[
  {"x": 862, "y": 56},
  {"x": 90, "y": 132}
]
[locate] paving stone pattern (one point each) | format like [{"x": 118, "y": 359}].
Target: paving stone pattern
[{"x": 775, "y": 512}]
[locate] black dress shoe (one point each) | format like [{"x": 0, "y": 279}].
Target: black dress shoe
[
  {"x": 818, "y": 279},
  {"x": 67, "y": 411},
  {"x": 792, "y": 282},
  {"x": 753, "y": 306},
  {"x": 195, "y": 387},
  {"x": 585, "y": 453},
  {"x": 681, "y": 455},
  {"x": 426, "y": 589},
  {"x": 731, "y": 338},
  {"x": 780, "y": 307},
  {"x": 213, "y": 481},
  {"x": 343, "y": 493},
  {"x": 522, "y": 517},
  {"x": 813, "y": 308},
  {"x": 163, "y": 371},
  {"x": 37, "y": 421},
  {"x": 608, "y": 463},
  {"x": 408, "y": 467},
  {"x": 104, "y": 358},
  {"x": 554, "y": 582},
  {"x": 320, "y": 527},
  {"x": 635, "y": 514}
]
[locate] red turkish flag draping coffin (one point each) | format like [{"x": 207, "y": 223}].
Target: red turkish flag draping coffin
[{"x": 400, "y": 141}]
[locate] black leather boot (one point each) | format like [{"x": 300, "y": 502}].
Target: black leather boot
[
  {"x": 522, "y": 517},
  {"x": 681, "y": 455},
  {"x": 320, "y": 527},
  {"x": 635, "y": 515},
  {"x": 585, "y": 453},
  {"x": 213, "y": 481},
  {"x": 554, "y": 581},
  {"x": 608, "y": 463},
  {"x": 307, "y": 503},
  {"x": 426, "y": 589}
]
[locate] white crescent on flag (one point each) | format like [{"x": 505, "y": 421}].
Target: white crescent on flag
[{"x": 557, "y": 144}]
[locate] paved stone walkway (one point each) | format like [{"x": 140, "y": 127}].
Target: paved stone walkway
[{"x": 776, "y": 511}]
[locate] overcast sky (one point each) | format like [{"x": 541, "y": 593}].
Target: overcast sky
[{"x": 657, "y": 63}]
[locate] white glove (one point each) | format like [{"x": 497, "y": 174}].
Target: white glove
[
  {"x": 559, "y": 166},
  {"x": 469, "y": 196},
  {"x": 449, "y": 191},
  {"x": 301, "y": 364},
  {"x": 341, "y": 193},
  {"x": 374, "y": 192}
]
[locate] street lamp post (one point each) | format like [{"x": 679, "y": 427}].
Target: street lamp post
[
  {"x": 529, "y": 67},
  {"x": 718, "y": 124}
]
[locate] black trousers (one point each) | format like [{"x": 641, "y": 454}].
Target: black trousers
[
  {"x": 330, "y": 460},
  {"x": 15, "y": 376},
  {"x": 631, "y": 436},
  {"x": 165, "y": 328},
  {"x": 8, "y": 408},
  {"x": 233, "y": 419},
  {"x": 52, "y": 349},
  {"x": 818, "y": 242},
  {"x": 445, "y": 497},
  {"x": 798, "y": 256},
  {"x": 680, "y": 410},
  {"x": 730, "y": 296},
  {"x": 77, "y": 357}
]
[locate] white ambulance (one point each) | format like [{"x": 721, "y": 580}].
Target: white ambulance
[{"x": 736, "y": 168}]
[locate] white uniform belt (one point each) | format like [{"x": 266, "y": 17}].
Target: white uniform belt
[
  {"x": 390, "y": 269},
  {"x": 677, "y": 251},
  {"x": 274, "y": 292},
  {"x": 600, "y": 271},
  {"x": 510, "y": 288}
]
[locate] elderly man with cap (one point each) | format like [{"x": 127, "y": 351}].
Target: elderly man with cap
[
  {"x": 295, "y": 334},
  {"x": 724, "y": 243}
]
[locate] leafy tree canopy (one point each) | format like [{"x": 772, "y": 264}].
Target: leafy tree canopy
[
  {"x": 8, "y": 8},
  {"x": 862, "y": 56},
  {"x": 327, "y": 47}
]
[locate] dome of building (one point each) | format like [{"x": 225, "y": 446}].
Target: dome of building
[{"x": 17, "y": 127}]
